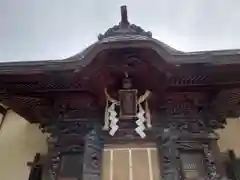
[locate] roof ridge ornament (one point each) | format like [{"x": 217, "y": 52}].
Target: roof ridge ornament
[
  {"x": 124, "y": 16},
  {"x": 124, "y": 28}
]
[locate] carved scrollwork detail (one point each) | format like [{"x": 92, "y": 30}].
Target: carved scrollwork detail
[
  {"x": 210, "y": 162},
  {"x": 95, "y": 160},
  {"x": 54, "y": 163},
  {"x": 189, "y": 146},
  {"x": 131, "y": 29}
]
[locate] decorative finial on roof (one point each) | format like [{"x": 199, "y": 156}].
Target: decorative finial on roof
[
  {"x": 124, "y": 16},
  {"x": 124, "y": 28}
]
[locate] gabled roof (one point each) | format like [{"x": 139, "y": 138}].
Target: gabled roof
[{"x": 29, "y": 87}]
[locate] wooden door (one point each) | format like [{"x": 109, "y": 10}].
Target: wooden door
[{"x": 130, "y": 163}]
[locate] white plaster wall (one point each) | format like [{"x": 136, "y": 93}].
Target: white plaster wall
[
  {"x": 230, "y": 136},
  {"x": 19, "y": 142}
]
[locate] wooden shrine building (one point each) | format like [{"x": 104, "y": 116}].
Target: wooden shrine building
[{"x": 127, "y": 88}]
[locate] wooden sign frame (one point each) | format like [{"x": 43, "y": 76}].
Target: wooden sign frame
[{"x": 128, "y": 103}]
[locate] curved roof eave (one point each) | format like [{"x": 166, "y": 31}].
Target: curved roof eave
[
  {"x": 124, "y": 41},
  {"x": 84, "y": 58}
]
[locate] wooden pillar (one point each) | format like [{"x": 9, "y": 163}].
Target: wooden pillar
[
  {"x": 168, "y": 155},
  {"x": 186, "y": 152},
  {"x": 92, "y": 158},
  {"x": 65, "y": 150},
  {"x": 75, "y": 151}
]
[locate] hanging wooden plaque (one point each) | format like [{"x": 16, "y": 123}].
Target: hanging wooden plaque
[{"x": 128, "y": 103}]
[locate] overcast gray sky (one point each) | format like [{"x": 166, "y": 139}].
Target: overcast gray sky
[{"x": 56, "y": 29}]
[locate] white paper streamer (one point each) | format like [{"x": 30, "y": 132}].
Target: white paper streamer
[
  {"x": 113, "y": 119},
  {"x": 140, "y": 122}
]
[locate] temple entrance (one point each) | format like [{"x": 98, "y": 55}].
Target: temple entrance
[
  {"x": 130, "y": 162},
  {"x": 127, "y": 87}
]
